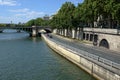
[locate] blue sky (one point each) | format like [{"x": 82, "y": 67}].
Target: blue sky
[{"x": 24, "y": 10}]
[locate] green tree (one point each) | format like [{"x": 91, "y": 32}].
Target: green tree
[
  {"x": 77, "y": 22},
  {"x": 87, "y": 12},
  {"x": 64, "y": 17},
  {"x": 30, "y": 23},
  {"x": 2, "y": 25},
  {"x": 39, "y": 21}
]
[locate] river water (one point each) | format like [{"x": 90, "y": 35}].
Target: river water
[{"x": 25, "y": 58}]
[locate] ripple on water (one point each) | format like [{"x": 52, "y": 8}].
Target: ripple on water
[
  {"x": 31, "y": 59},
  {"x": 10, "y": 34}
]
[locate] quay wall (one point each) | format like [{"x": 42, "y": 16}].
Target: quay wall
[
  {"x": 108, "y": 38},
  {"x": 113, "y": 41},
  {"x": 97, "y": 69}
]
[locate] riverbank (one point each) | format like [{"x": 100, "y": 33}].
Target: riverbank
[
  {"x": 75, "y": 40},
  {"x": 91, "y": 65},
  {"x": 84, "y": 42}
]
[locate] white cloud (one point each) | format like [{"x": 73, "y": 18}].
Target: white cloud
[
  {"x": 27, "y": 13},
  {"x": 5, "y": 19},
  {"x": 34, "y": 14},
  {"x": 20, "y": 10},
  {"x": 14, "y": 19},
  {"x": 21, "y": 15},
  {"x": 8, "y": 2}
]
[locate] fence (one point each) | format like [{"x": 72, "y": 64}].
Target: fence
[{"x": 107, "y": 64}]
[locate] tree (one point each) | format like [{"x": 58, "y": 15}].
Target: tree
[
  {"x": 117, "y": 13},
  {"x": 63, "y": 19},
  {"x": 87, "y": 12},
  {"x": 2, "y": 25},
  {"x": 39, "y": 21},
  {"x": 77, "y": 16},
  {"x": 30, "y": 23}
]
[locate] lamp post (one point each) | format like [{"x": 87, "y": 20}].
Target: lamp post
[{"x": 11, "y": 24}]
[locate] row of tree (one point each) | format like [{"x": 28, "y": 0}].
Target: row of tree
[
  {"x": 38, "y": 22},
  {"x": 2, "y": 25},
  {"x": 12, "y": 25},
  {"x": 92, "y": 13}
]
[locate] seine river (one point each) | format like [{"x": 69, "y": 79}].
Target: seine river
[{"x": 25, "y": 58}]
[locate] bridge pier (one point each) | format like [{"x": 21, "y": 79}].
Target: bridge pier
[
  {"x": 34, "y": 31},
  {"x": 18, "y": 31},
  {"x": 1, "y": 31}
]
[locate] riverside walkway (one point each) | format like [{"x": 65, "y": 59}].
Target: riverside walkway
[
  {"x": 99, "y": 62},
  {"x": 101, "y": 52},
  {"x": 104, "y": 55}
]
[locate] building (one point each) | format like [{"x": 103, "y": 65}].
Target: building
[{"x": 46, "y": 17}]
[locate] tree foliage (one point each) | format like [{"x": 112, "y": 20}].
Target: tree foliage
[
  {"x": 87, "y": 13},
  {"x": 2, "y": 25},
  {"x": 105, "y": 12},
  {"x": 64, "y": 17},
  {"x": 37, "y": 22}
]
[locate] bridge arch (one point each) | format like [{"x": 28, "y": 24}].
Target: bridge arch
[
  {"x": 104, "y": 43},
  {"x": 34, "y": 31},
  {"x": 48, "y": 30}
]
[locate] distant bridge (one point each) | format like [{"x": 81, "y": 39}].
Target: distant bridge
[{"x": 33, "y": 31}]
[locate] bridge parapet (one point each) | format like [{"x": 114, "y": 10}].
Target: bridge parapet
[
  {"x": 102, "y": 30},
  {"x": 33, "y": 31}
]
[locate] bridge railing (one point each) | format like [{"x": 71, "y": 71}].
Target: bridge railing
[{"x": 108, "y": 64}]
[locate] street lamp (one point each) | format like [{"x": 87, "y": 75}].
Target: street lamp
[{"x": 11, "y": 24}]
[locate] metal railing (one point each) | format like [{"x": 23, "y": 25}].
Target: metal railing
[{"x": 108, "y": 64}]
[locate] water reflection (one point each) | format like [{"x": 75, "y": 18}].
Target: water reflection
[
  {"x": 10, "y": 34},
  {"x": 9, "y": 31},
  {"x": 30, "y": 58}
]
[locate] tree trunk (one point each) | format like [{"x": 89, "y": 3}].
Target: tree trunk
[{"x": 110, "y": 21}]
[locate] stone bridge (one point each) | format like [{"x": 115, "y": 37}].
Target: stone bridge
[{"x": 34, "y": 31}]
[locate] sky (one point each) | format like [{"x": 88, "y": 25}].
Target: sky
[{"x": 16, "y": 11}]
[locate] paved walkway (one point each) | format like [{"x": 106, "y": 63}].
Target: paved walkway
[{"x": 105, "y": 53}]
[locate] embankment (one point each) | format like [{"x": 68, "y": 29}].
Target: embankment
[{"x": 90, "y": 63}]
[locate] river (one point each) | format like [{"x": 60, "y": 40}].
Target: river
[{"x": 25, "y": 58}]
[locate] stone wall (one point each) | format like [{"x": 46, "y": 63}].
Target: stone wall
[
  {"x": 83, "y": 62},
  {"x": 112, "y": 36},
  {"x": 113, "y": 40}
]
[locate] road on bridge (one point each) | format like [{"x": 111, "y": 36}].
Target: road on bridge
[{"x": 101, "y": 52}]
